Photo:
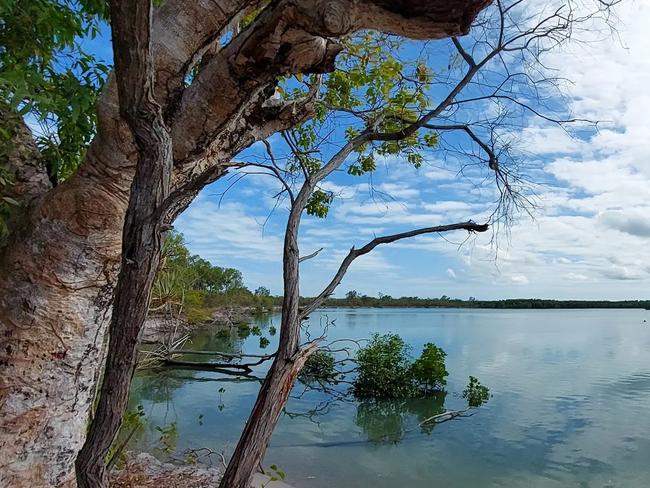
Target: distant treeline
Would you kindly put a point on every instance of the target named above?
(354, 299)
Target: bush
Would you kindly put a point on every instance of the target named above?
(476, 394)
(429, 371)
(384, 369)
(319, 367)
(195, 298)
(198, 315)
(243, 331)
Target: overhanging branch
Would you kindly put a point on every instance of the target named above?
(469, 226)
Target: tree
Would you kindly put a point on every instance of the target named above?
(352, 295)
(262, 291)
(429, 369)
(195, 83)
(384, 369)
(393, 116)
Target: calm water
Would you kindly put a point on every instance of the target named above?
(571, 405)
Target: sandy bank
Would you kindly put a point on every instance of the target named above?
(145, 471)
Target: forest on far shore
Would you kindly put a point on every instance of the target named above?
(354, 299)
(202, 287)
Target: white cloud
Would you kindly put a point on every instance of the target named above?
(219, 233)
(519, 279)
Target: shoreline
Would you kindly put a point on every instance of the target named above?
(143, 470)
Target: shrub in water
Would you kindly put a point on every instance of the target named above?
(429, 371)
(319, 367)
(384, 369)
(476, 394)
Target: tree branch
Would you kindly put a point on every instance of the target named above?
(309, 256)
(469, 226)
(461, 50)
(493, 159)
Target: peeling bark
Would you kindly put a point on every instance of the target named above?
(56, 281)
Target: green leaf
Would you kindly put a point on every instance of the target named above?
(319, 203)
(10, 201)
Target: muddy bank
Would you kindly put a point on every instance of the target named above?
(157, 327)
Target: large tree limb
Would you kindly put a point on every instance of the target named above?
(296, 36)
(23, 162)
(355, 253)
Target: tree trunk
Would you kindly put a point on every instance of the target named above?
(273, 396)
(57, 275)
(141, 246)
(56, 282)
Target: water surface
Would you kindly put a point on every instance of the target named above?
(570, 406)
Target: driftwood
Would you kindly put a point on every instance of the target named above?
(225, 368)
(222, 354)
(448, 415)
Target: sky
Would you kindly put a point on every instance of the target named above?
(587, 238)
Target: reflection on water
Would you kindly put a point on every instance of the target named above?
(570, 407)
(390, 420)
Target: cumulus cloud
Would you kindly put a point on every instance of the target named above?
(634, 222)
(519, 279)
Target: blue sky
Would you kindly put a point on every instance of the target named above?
(589, 238)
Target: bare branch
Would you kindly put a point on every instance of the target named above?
(493, 160)
(309, 256)
(461, 50)
(355, 253)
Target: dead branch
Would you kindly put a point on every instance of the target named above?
(355, 253)
(309, 256)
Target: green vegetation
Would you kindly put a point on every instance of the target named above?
(47, 75)
(190, 285)
(168, 438)
(476, 394)
(319, 367)
(385, 369)
(429, 370)
(132, 423)
(355, 299)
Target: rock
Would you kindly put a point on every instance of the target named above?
(144, 471)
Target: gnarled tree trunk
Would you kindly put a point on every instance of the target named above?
(57, 274)
(134, 72)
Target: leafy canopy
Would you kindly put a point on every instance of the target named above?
(429, 369)
(46, 75)
(372, 89)
(385, 369)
